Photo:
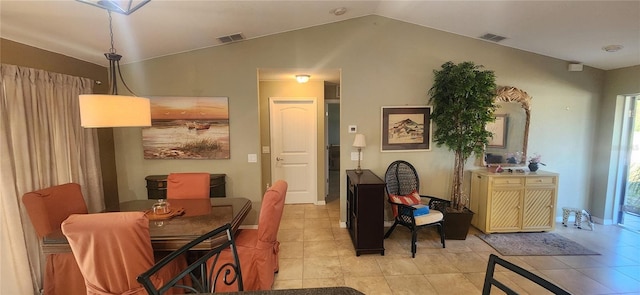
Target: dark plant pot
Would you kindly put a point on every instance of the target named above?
(456, 224)
(533, 167)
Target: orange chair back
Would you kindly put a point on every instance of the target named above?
(112, 249)
(271, 212)
(258, 248)
(188, 185)
(48, 207)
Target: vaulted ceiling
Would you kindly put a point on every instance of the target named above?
(575, 31)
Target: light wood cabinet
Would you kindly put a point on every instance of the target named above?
(513, 202)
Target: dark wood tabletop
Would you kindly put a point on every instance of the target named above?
(200, 217)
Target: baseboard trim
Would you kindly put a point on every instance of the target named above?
(321, 203)
(602, 221)
(596, 220)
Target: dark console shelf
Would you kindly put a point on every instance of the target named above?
(157, 186)
(365, 211)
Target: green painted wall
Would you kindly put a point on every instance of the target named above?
(618, 83)
(383, 62)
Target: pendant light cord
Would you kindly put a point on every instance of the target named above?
(112, 49)
(114, 64)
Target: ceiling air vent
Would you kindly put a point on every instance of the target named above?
(492, 37)
(231, 38)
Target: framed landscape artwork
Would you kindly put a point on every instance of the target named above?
(187, 128)
(406, 128)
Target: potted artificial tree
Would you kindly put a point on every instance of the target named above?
(462, 96)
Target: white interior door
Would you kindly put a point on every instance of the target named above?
(293, 124)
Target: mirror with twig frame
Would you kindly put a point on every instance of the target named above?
(508, 146)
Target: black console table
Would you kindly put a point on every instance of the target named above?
(365, 211)
(157, 186)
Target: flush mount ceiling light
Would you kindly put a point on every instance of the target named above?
(113, 110)
(302, 78)
(612, 48)
(125, 7)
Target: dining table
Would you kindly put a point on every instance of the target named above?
(339, 290)
(195, 217)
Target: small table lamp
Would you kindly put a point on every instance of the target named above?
(359, 143)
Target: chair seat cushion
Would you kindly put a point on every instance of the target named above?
(433, 216)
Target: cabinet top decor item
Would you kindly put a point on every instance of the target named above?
(536, 159)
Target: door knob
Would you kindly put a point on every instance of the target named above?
(279, 159)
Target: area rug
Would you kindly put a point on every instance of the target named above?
(534, 244)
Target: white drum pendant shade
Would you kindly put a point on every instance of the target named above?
(101, 110)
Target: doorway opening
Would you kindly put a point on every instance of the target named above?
(332, 139)
(281, 83)
(628, 199)
(294, 147)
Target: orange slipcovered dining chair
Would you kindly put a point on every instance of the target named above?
(188, 185)
(112, 250)
(203, 276)
(47, 208)
(258, 248)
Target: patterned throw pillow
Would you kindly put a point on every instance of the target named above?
(411, 199)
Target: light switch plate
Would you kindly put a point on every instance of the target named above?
(353, 128)
(354, 156)
(252, 158)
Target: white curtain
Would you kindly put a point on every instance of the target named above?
(41, 145)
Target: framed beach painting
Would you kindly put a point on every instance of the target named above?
(187, 128)
(406, 128)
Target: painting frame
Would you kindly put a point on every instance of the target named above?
(414, 135)
(186, 127)
(498, 129)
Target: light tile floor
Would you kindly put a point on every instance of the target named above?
(315, 252)
(632, 222)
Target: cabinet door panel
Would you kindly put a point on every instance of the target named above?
(539, 208)
(505, 210)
